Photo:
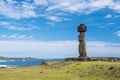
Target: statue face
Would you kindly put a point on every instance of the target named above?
(82, 28)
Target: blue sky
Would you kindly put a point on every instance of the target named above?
(48, 28)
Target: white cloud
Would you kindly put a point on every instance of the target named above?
(82, 6)
(26, 9)
(50, 23)
(20, 28)
(79, 6)
(12, 26)
(16, 37)
(117, 33)
(56, 49)
(116, 16)
(115, 6)
(110, 23)
(108, 16)
(4, 23)
(13, 9)
(41, 2)
(53, 18)
(3, 36)
(112, 16)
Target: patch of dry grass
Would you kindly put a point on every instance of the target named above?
(65, 71)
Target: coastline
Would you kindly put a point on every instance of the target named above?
(24, 63)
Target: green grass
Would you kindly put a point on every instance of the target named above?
(64, 71)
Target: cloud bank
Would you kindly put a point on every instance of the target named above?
(16, 37)
(57, 49)
(17, 26)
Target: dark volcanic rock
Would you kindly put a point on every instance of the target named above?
(107, 59)
(111, 67)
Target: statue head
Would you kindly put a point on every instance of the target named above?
(82, 28)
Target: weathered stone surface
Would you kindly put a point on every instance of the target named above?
(82, 45)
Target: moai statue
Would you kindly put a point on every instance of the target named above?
(82, 46)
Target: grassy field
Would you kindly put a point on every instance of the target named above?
(64, 71)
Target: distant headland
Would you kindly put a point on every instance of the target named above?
(17, 58)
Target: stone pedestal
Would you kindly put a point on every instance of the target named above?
(78, 59)
(106, 59)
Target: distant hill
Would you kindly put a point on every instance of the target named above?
(13, 58)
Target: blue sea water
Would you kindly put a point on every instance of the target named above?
(22, 63)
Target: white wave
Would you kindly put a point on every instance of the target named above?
(23, 60)
(3, 60)
(12, 60)
(7, 66)
(4, 66)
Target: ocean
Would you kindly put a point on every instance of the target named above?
(23, 63)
